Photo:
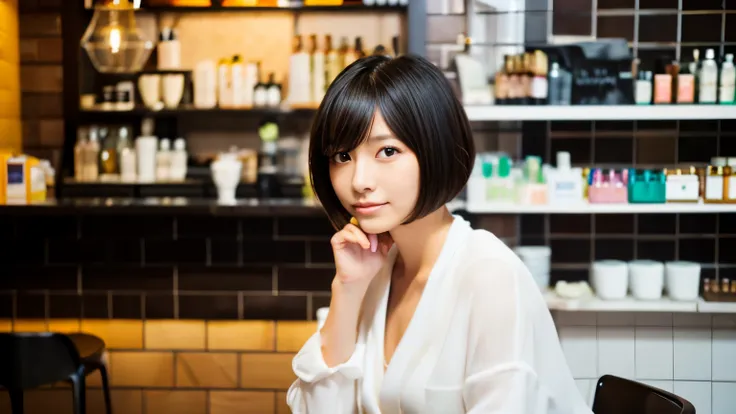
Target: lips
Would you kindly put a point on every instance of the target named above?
(367, 208)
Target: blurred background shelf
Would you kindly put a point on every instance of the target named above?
(599, 112)
(671, 208)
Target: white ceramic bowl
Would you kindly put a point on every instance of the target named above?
(646, 278)
(610, 279)
(682, 280)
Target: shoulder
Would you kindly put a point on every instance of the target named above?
(486, 261)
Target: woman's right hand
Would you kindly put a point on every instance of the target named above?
(358, 256)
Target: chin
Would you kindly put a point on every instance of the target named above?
(377, 225)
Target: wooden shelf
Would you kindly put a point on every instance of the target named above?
(97, 113)
(293, 6)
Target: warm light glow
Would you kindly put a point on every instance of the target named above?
(115, 39)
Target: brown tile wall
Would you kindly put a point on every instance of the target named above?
(10, 129)
(182, 367)
(41, 78)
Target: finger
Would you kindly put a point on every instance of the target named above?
(343, 237)
(373, 242)
(358, 236)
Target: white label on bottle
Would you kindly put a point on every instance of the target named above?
(274, 96)
(727, 94)
(682, 188)
(260, 97)
(643, 92)
(708, 86)
(714, 187)
(732, 188)
(539, 87)
(16, 188)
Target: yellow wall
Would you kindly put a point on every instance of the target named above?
(10, 132)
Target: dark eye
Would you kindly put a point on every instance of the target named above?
(387, 152)
(341, 157)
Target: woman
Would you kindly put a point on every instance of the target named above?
(427, 315)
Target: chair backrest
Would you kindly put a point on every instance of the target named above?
(615, 395)
(30, 360)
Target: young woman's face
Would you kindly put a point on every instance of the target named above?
(377, 182)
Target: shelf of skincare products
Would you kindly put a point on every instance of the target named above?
(190, 109)
(545, 84)
(719, 294)
(497, 186)
(109, 154)
(275, 5)
(598, 112)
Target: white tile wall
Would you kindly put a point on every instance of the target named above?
(654, 353)
(616, 351)
(580, 346)
(692, 355)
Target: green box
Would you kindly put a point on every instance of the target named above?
(647, 187)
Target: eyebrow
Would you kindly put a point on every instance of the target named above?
(381, 137)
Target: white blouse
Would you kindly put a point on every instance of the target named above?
(481, 341)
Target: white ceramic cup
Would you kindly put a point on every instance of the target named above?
(682, 280)
(610, 279)
(173, 90)
(149, 87)
(646, 278)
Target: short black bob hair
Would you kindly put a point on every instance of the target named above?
(418, 105)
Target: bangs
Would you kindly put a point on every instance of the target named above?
(348, 117)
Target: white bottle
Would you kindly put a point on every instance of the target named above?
(145, 154)
(237, 77)
(224, 99)
(728, 82)
(126, 153)
(250, 80)
(169, 50)
(708, 79)
(205, 84)
(369, 2)
(179, 161)
(318, 75)
(565, 184)
(299, 93)
(163, 161)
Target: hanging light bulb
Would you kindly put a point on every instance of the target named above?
(113, 41)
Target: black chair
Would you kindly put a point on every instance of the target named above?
(31, 360)
(614, 395)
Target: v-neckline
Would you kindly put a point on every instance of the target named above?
(417, 317)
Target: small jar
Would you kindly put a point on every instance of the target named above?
(729, 184)
(714, 184)
(682, 186)
(644, 88)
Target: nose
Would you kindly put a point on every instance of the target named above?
(364, 178)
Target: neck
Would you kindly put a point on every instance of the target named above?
(419, 243)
